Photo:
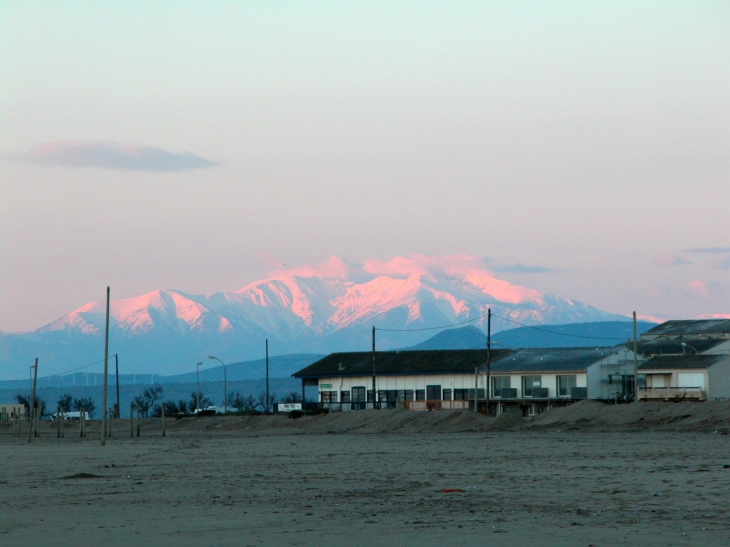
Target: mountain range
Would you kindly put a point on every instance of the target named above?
(313, 311)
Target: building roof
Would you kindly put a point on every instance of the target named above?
(697, 327)
(552, 359)
(669, 346)
(400, 362)
(681, 362)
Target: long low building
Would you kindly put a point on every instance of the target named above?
(528, 380)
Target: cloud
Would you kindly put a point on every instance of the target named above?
(332, 268)
(709, 250)
(724, 264)
(670, 260)
(110, 155)
(701, 289)
(714, 316)
(416, 264)
(521, 268)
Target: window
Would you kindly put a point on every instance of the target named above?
(358, 394)
(461, 394)
(447, 395)
(406, 395)
(433, 393)
(529, 383)
(345, 396)
(480, 394)
(565, 385)
(499, 383)
(328, 396)
(420, 395)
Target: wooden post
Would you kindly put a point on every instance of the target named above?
(131, 419)
(106, 372)
(162, 417)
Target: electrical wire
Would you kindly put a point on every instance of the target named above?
(434, 328)
(560, 333)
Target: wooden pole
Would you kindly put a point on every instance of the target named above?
(106, 372)
(375, 393)
(636, 364)
(476, 388)
(489, 355)
(267, 377)
(32, 399)
(118, 410)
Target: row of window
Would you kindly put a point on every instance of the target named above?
(531, 387)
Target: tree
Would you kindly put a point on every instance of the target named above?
(153, 394)
(87, 403)
(292, 397)
(266, 404)
(65, 402)
(204, 401)
(142, 405)
(182, 406)
(25, 400)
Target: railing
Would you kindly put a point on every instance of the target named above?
(692, 393)
(436, 405)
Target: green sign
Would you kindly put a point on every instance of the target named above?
(325, 385)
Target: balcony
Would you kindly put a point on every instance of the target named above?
(672, 393)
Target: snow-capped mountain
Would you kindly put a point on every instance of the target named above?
(331, 307)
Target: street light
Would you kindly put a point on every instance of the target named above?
(197, 385)
(684, 344)
(225, 383)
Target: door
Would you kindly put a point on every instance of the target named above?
(433, 393)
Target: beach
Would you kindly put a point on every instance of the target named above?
(275, 481)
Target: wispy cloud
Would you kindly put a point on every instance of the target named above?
(670, 260)
(702, 289)
(708, 250)
(521, 268)
(110, 155)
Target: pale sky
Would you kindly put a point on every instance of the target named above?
(196, 145)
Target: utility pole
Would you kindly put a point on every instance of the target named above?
(118, 409)
(267, 377)
(105, 424)
(636, 364)
(375, 396)
(197, 385)
(489, 353)
(32, 399)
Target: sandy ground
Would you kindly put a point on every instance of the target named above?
(341, 480)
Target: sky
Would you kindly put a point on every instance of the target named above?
(580, 148)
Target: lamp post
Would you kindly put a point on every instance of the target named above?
(686, 345)
(225, 383)
(197, 385)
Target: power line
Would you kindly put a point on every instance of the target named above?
(434, 328)
(562, 333)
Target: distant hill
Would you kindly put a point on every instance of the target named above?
(599, 333)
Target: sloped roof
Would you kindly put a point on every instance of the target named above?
(674, 345)
(552, 359)
(400, 362)
(680, 362)
(690, 328)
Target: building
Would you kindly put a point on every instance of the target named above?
(420, 379)
(528, 380)
(685, 377)
(686, 360)
(533, 380)
(11, 410)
